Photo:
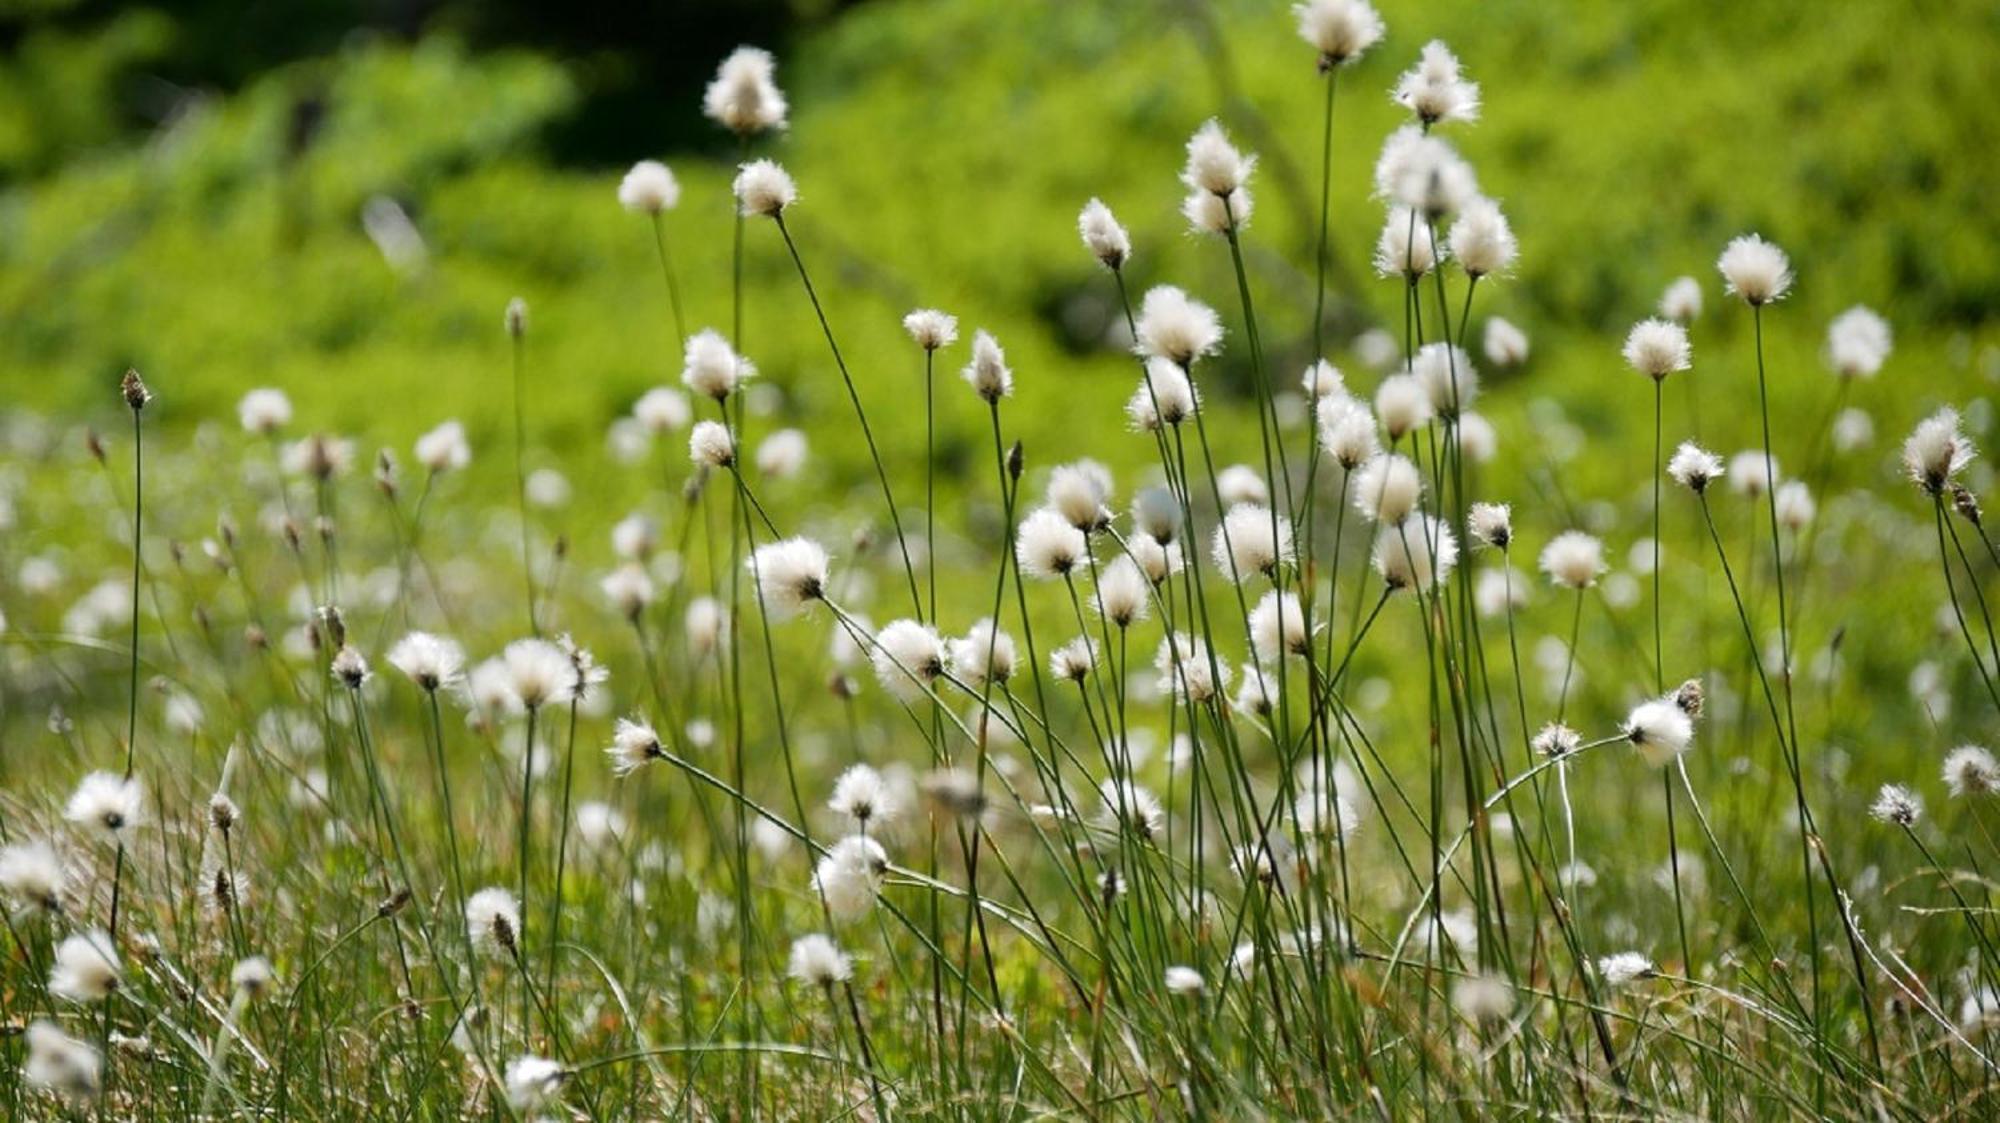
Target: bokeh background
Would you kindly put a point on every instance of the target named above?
(340, 198)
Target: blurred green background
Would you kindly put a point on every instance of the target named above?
(185, 187)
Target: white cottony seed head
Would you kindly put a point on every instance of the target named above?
(817, 961)
(649, 188)
(1755, 270)
(1103, 236)
(744, 97)
(763, 187)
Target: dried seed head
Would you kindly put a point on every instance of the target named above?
(134, 389)
(1689, 698)
(1965, 503)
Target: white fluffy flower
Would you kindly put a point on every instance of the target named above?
(1970, 770)
(849, 875)
(1176, 327)
(1795, 506)
(987, 371)
(1183, 980)
(1752, 473)
(533, 1083)
(31, 876)
(710, 445)
(60, 1063)
(1213, 164)
(1897, 805)
(1405, 247)
(1188, 670)
(663, 408)
(1755, 270)
(1102, 236)
(493, 921)
(105, 804)
(264, 411)
(764, 187)
(1936, 451)
(1073, 661)
(86, 968)
(1504, 344)
(1435, 91)
(1247, 542)
(1482, 240)
(431, 661)
(983, 654)
(1278, 627)
(1340, 30)
(1682, 300)
(629, 588)
(1129, 803)
(908, 657)
(1857, 343)
(860, 794)
(817, 961)
(634, 745)
(1624, 968)
(635, 536)
(1239, 484)
(931, 328)
(1165, 395)
(1415, 553)
(1346, 430)
(790, 574)
(1659, 729)
(1573, 559)
(712, 367)
(1078, 492)
(1048, 546)
(1423, 173)
(538, 673)
(252, 975)
(1447, 376)
(1122, 591)
(1499, 589)
(1403, 404)
(706, 623)
(1218, 214)
(1388, 488)
(782, 454)
(1694, 467)
(649, 188)
(744, 97)
(1491, 524)
(1322, 380)
(1657, 348)
(444, 449)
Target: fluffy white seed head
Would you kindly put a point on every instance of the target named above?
(1102, 236)
(1447, 376)
(533, 1083)
(712, 367)
(1079, 493)
(983, 655)
(931, 329)
(1625, 968)
(253, 976)
(817, 961)
(1498, 589)
(1246, 543)
(538, 673)
(264, 411)
(1435, 90)
(1158, 562)
(61, 1064)
(1346, 430)
(1857, 343)
(710, 445)
(1556, 740)
(1970, 770)
(1157, 514)
(1240, 483)
(1165, 396)
(782, 454)
(790, 574)
(744, 96)
(763, 187)
(1176, 327)
(1425, 174)
(106, 805)
(649, 188)
(1681, 302)
(1404, 248)
(1936, 451)
(1388, 488)
(86, 968)
(987, 372)
(1694, 467)
(1184, 981)
(634, 745)
(909, 656)
(349, 668)
(1132, 805)
(1218, 214)
(849, 875)
(1490, 524)
(1755, 270)
(32, 877)
(1573, 559)
(1482, 240)
(444, 449)
(629, 588)
(1187, 669)
(493, 920)
(1795, 506)
(1340, 30)
(1752, 473)
(862, 795)
(1415, 554)
(1657, 348)
(1322, 380)
(663, 409)
(1047, 546)
(1278, 627)
(1505, 345)
(1403, 404)
(1660, 729)
(1213, 164)
(1073, 661)
(1122, 592)
(432, 662)
(1897, 805)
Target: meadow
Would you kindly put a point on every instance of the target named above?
(1237, 561)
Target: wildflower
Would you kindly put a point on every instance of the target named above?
(649, 188)
(86, 968)
(1755, 270)
(1102, 236)
(628, 587)
(710, 444)
(1388, 488)
(1556, 740)
(1447, 376)
(817, 961)
(1218, 214)
(319, 456)
(1483, 998)
(1074, 660)
(1213, 164)
(1047, 546)
(1164, 395)
(106, 804)
(1078, 492)
(1128, 803)
(1694, 467)
(1257, 693)
(252, 975)
(706, 623)
(547, 488)
(1491, 524)
(1184, 981)
(1660, 729)
(1897, 805)
(1240, 484)
(908, 657)
(1681, 302)
(1247, 542)
(765, 188)
(1157, 514)
(633, 746)
(983, 655)
(31, 875)
(1321, 380)
(1415, 554)
(1573, 559)
(849, 875)
(1340, 30)
(586, 674)
(539, 673)
(1504, 344)
(955, 791)
(931, 328)
(743, 97)
(1969, 770)
(661, 409)
(1657, 348)
(264, 411)
(1624, 968)
(1482, 240)
(1175, 327)
(1346, 430)
(790, 574)
(1434, 90)
(1751, 472)
(1187, 670)
(1795, 505)
(134, 389)
(712, 367)
(987, 372)
(1405, 247)
(1689, 697)
(533, 1083)
(1403, 404)
(1936, 451)
(860, 794)
(432, 662)
(515, 318)
(493, 921)
(1857, 343)
(1278, 627)
(60, 1063)
(444, 449)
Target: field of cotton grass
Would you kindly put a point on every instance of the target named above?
(1316, 768)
